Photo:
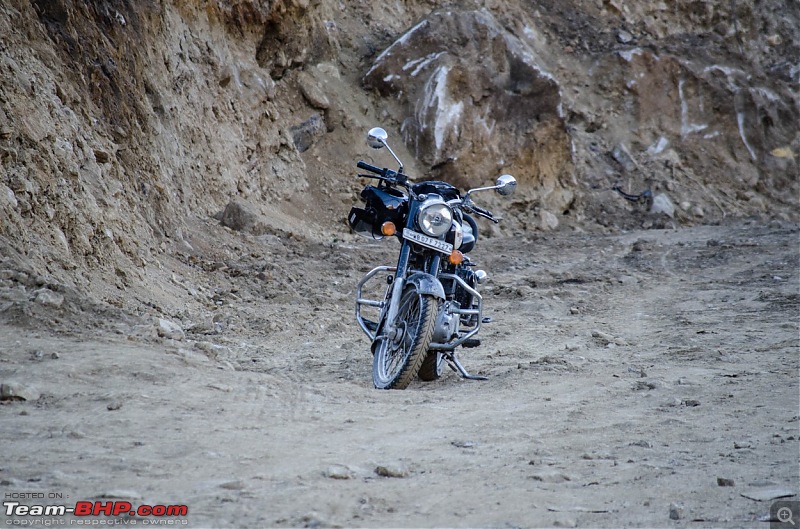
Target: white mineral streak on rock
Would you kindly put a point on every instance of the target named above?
(447, 113)
(727, 70)
(766, 94)
(399, 42)
(730, 74)
(687, 127)
(628, 55)
(421, 63)
(740, 123)
(795, 71)
(658, 147)
(488, 127)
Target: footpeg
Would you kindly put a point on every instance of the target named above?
(472, 342)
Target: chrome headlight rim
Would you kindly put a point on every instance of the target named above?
(434, 217)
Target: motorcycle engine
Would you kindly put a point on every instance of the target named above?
(446, 323)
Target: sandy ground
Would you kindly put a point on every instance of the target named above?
(641, 379)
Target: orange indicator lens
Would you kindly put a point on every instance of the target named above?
(388, 228)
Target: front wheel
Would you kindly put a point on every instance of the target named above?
(399, 356)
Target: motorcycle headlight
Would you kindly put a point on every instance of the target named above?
(434, 218)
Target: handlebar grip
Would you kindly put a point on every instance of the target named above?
(370, 168)
(482, 211)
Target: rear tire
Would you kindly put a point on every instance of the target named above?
(432, 366)
(398, 359)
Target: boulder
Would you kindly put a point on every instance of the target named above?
(239, 216)
(479, 101)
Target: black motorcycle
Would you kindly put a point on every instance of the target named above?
(431, 304)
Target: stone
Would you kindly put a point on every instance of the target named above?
(211, 350)
(662, 204)
(308, 132)
(675, 511)
(782, 152)
(101, 156)
(239, 217)
(260, 83)
(725, 482)
(8, 196)
(48, 298)
(607, 339)
(192, 358)
(552, 476)
(774, 40)
(338, 472)
(170, 330)
(624, 37)
(233, 485)
(622, 156)
(547, 221)
(17, 391)
(312, 91)
(392, 471)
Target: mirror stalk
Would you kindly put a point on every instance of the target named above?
(400, 170)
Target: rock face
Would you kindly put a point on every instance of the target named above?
(478, 100)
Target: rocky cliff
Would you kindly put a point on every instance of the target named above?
(121, 123)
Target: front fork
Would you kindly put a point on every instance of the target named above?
(397, 288)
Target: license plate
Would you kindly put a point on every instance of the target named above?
(430, 242)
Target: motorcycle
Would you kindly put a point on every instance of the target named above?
(431, 304)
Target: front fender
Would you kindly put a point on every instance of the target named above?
(427, 284)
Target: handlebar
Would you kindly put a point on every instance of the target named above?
(371, 168)
(393, 177)
(396, 178)
(470, 205)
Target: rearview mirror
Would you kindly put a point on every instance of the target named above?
(376, 138)
(506, 185)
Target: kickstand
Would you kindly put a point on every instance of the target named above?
(455, 365)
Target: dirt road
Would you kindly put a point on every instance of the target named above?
(641, 379)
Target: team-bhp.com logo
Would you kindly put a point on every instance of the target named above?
(85, 510)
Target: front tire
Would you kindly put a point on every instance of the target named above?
(398, 358)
